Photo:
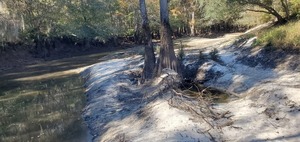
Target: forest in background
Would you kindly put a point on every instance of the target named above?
(33, 88)
(46, 24)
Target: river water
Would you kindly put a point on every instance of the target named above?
(43, 102)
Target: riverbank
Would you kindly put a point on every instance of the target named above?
(265, 105)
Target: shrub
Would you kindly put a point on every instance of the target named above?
(214, 54)
(275, 37)
(285, 36)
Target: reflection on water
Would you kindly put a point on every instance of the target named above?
(45, 108)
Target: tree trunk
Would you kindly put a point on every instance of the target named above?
(149, 64)
(187, 24)
(167, 58)
(192, 24)
(280, 19)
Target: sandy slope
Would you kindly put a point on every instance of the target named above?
(269, 107)
(120, 110)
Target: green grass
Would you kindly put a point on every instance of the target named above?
(285, 36)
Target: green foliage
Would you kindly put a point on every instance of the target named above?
(181, 11)
(295, 7)
(153, 12)
(282, 36)
(104, 19)
(83, 19)
(217, 11)
(279, 9)
(275, 36)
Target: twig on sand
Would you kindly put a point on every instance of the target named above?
(189, 108)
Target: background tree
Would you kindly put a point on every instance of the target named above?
(219, 15)
(186, 14)
(272, 7)
(37, 22)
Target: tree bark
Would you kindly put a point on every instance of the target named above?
(167, 58)
(192, 24)
(149, 63)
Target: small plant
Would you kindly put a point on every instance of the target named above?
(201, 55)
(214, 54)
(181, 53)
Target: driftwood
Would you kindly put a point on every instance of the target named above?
(201, 110)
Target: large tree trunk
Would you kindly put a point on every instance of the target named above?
(149, 64)
(167, 58)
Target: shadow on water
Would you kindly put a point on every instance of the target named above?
(43, 102)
